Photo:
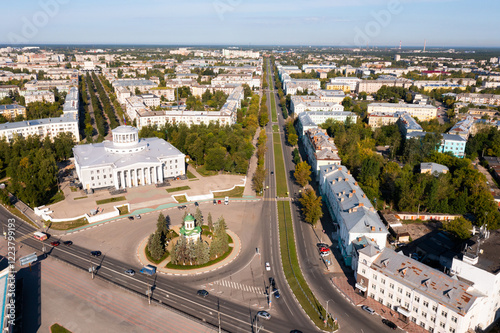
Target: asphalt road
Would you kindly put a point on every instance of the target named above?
(350, 318)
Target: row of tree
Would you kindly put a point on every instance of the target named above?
(100, 122)
(105, 103)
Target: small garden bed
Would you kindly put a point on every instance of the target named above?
(187, 267)
(177, 189)
(148, 255)
(115, 199)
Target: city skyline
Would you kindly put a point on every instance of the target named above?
(442, 23)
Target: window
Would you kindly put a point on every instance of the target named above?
(454, 319)
(444, 314)
(381, 300)
(400, 290)
(91, 178)
(422, 324)
(415, 309)
(426, 304)
(363, 271)
(431, 329)
(452, 330)
(424, 314)
(442, 324)
(417, 299)
(391, 285)
(407, 305)
(104, 176)
(381, 291)
(98, 171)
(434, 308)
(408, 294)
(413, 319)
(390, 296)
(433, 319)
(374, 277)
(374, 287)
(372, 296)
(382, 280)
(398, 300)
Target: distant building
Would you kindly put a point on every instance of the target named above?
(132, 84)
(127, 161)
(320, 149)
(346, 84)
(463, 127)
(454, 144)
(433, 168)
(226, 53)
(422, 112)
(299, 104)
(311, 119)
(42, 96)
(372, 86)
(11, 111)
(407, 124)
(486, 99)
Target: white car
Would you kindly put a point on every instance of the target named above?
(268, 267)
(324, 254)
(226, 201)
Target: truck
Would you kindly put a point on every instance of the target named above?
(40, 235)
(148, 270)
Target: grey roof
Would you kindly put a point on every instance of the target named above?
(434, 167)
(6, 107)
(356, 209)
(127, 83)
(452, 293)
(409, 123)
(95, 154)
(71, 103)
(63, 119)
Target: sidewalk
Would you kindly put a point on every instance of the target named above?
(161, 267)
(252, 166)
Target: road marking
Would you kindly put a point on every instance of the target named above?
(239, 286)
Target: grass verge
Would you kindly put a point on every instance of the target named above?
(180, 198)
(123, 210)
(204, 172)
(67, 225)
(79, 198)
(177, 189)
(56, 328)
(293, 274)
(190, 175)
(188, 267)
(279, 164)
(59, 196)
(105, 201)
(148, 255)
(16, 212)
(235, 192)
(276, 128)
(274, 115)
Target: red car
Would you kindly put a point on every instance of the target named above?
(219, 202)
(324, 249)
(55, 243)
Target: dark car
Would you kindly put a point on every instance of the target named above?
(202, 293)
(264, 314)
(196, 203)
(276, 293)
(182, 207)
(68, 243)
(130, 272)
(272, 172)
(215, 202)
(95, 253)
(272, 282)
(295, 331)
(55, 243)
(390, 324)
(322, 245)
(130, 218)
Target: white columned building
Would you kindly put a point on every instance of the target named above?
(127, 161)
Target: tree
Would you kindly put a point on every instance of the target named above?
(202, 252)
(293, 139)
(137, 91)
(209, 222)
(302, 173)
(198, 217)
(296, 156)
(311, 206)
(161, 225)
(459, 227)
(155, 246)
(347, 103)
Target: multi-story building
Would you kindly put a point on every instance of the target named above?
(60, 85)
(167, 93)
(299, 104)
(11, 111)
(422, 112)
(72, 102)
(127, 161)
(351, 210)
(7, 90)
(221, 79)
(132, 84)
(319, 149)
(346, 84)
(311, 119)
(122, 94)
(372, 86)
(417, 292)
(239, 54)
(454, 144)
(463, 127)
(408, 125)
(31, 96)
(332, 96)
(47, 127)
(292, 86)
(488, 99)
(379, 119)
(150, 100)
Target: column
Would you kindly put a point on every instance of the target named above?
(135, 177)
(148, 175)
(153, 170)
(115, 180)
(129, 178)
(122, 178)
(160, 173)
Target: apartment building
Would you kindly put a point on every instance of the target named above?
(332, 96)
(372, 86)
(47, 127)
(6, 90)
(11, 111)
(132, 84)
(292, 86)
(300, 103)
(454, 144)
(226, 53)
(422, 112)
(150, 100)
(488, 99)
(346, 84)
(167, 93)
(351, 210)
(320, 149)
(417, 292)
(60, 85)
(31, 96)
(122, 94)
(311, 119)
(407, 124)
(463, 127)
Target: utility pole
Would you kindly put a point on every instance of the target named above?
(218, 313)
(326, 314)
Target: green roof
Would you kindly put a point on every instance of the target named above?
(195, 231)
(189, 217)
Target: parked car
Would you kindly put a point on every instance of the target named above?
(324, 249)
(368, 309)
(272, 282)
(55, 243)
(202, 293)
(268, 267)
(68, 243)
(182, 207)
(219, 202)
(264, 314)
(390, 323)
(130, 272)
(215, 202)
(131, 218)
(295, 331)
(320, 245)
(138, 216)
(196, 203)
(324, 254)
(95, 253)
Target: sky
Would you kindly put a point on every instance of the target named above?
(442, 23)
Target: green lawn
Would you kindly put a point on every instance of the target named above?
(274, 115)
(190, 175)
(148, 255)
(276, 128)
(78, 198)
(236, 192)
(67, 225)
(279, 164)
(180, 198)
(123, 210)
(56, 328)
(291, 267)
(204, 172)
(177, 189)
(59, 196)
(115, 199)
(187, 267)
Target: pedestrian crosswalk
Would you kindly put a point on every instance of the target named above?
(239, 286)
